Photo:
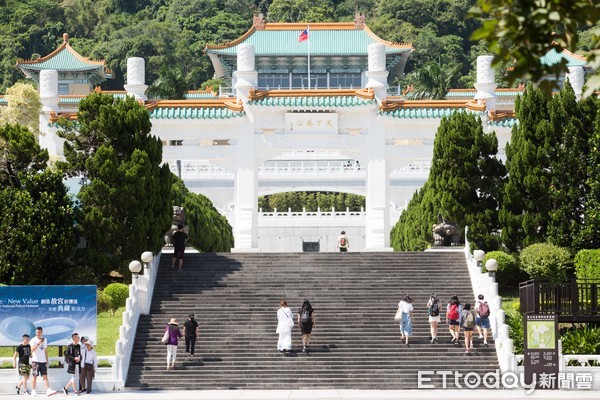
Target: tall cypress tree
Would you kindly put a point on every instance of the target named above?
(588, 236)
(464, 187)
(526, 204)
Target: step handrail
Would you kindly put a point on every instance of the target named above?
(138, 303)
(484, 284)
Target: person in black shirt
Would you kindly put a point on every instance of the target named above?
(73, 360)
(179, 241)
(23, 352)
(190, 331)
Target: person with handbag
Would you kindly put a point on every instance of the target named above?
(173, 332)
(405, 309)
(285, 323)
(89, 367)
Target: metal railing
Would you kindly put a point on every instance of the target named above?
(571, 301)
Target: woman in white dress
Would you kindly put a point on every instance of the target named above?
(285, 323)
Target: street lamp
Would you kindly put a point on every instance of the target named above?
(135, 267)
(147, 257)
(479, 255)
(492, 266)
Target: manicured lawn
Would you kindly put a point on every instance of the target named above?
(108, 333)
(510, 300)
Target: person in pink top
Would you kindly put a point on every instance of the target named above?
(174, 334)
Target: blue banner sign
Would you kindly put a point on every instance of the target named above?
(59, 310)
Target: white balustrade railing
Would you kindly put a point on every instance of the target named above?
(484, 284)
(421, 167)
(138, 303)
(310, 167)
(297, 218)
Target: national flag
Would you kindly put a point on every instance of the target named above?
(303, 35)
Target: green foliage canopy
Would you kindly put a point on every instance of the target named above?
(546, 261)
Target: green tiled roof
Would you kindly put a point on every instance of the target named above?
(317, 101)
(63, 61)
(322, 42)
(3, 100)
(199, 96)
(505, 123)
(553, 57)
(415, 113)
(194, 113)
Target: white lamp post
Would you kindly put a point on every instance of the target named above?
(135, 267)
(147, 258)
(492, 266)
(479, 255)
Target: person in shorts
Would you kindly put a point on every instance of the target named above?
(433, 310)
(39, 361)
(453, 310)
(23, 353)
(180, 239)
(343, 244)
(482, 309)
(467, 321)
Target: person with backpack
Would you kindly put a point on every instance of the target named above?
(467, 321)
(190, 333)
(482, 321)
(406, 308)
(306, 321)
(453, 310)
(433, 309)
(342, 243)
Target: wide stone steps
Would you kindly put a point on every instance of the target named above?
(356, 343)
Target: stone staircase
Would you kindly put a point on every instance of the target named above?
(355, 345)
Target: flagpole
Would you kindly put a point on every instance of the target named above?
(308, 29)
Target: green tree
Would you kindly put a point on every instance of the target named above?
(24, 107)
(523, 32)
(464, 187)
(36, 213)
(526, 205)
(119, 161)
(434, 80)
(209, 231)
(588, 236)
(300, 11)
(547, 262)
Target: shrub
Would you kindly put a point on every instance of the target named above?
(118, 293)
(587, 264)
(102, 301)
(514, 320)
(508, 273)
(546, 261)
(581, 341)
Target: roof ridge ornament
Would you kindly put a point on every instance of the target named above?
(359, 21)
(258, 22)
(66, 37)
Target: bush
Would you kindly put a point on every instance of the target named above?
(118, 293)
(587, 264)
(102, 301)
(581, 341)
(508, 273)
(514, 320)
(546, 261)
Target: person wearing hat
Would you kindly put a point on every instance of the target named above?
(89, 366)
(190, 332)
(174, 334)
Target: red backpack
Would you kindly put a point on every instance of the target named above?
(484, 310)
(343, 242)
(453, 312)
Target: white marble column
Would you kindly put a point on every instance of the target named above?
(245, 227)
(48, 138)
(377, 224)
(136, 78)
(245, 230)
(246, 76)
(576, 77)
(377, 72)
(486, 82)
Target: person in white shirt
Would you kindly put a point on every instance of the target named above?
(39, 361)
(406, 308)
(433, 309)
(343, 244)
(285, 323)
(89, 366)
